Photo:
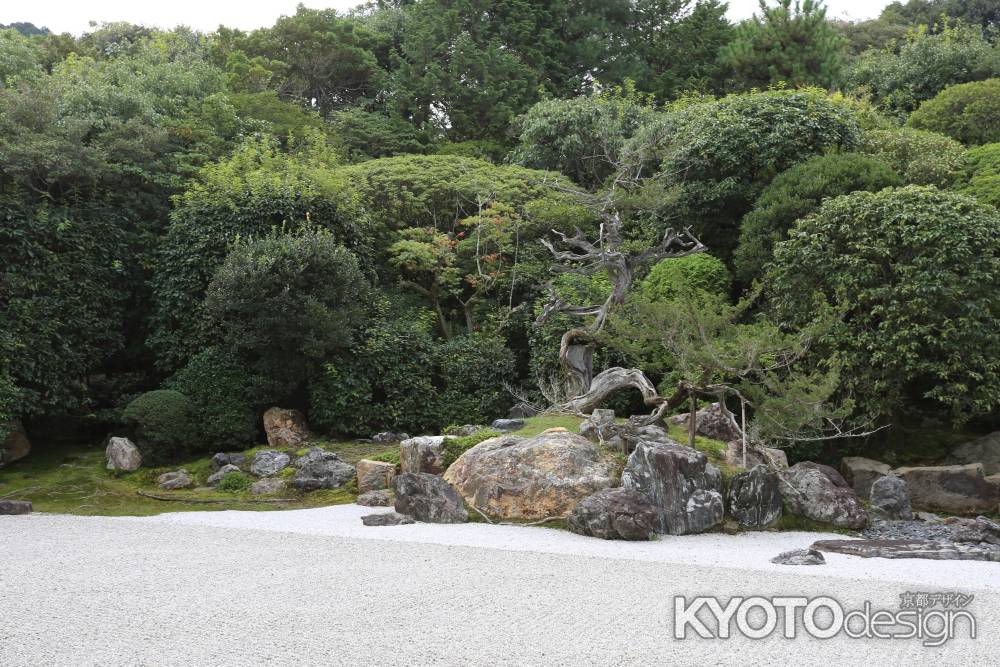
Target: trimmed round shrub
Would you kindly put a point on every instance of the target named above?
(162, 423)
(915, 273)
(968, 112)
(698, 276)
(474, 370)
(798, 192)
(984, 174)
(235, 482)
(918, 156)
(220, 385)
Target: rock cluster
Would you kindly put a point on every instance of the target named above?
(220, 474)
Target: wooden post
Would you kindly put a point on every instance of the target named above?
(692, 420)
(743, 423)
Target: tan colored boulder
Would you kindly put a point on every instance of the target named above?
(122, 454)
(16, 445)
(861, 473)
(285, 429)
(424, 453)
(960, 489)
(374, 475)
(527, 478)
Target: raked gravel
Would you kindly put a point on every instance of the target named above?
(316, 587)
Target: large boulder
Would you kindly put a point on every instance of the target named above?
(754, 498)
(680, 482)
(710, 422)
(861, 473)
(890, 500)
(16, 444)
(960, 489)
(516, 477)
(285, 429)
(985, 450)
(267, 463)
(374, 475)
(14, 507)
(178, 479)
(428, 498)
(423, 454)
(818, 492)
(122, 454)
(615, 514)
(320, 469)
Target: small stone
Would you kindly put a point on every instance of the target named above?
(216, 477)
(267, 486)
(380, 498)
(122, 454)
(799, 557)
(13, 507)
(506, 425)
(387, 519)
(267, 463)
(179, 479)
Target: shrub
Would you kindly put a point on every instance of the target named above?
(286, 303)
(700, 275)
(220, 385)
(235, 482)
(916, 273)
(474, 369)
(968, 112)
(455, 447)
(162, 422)
(798, 192)
(918, 156)
(984, 174)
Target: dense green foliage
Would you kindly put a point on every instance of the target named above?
(968, 112)
(797, 192)
(455, 447)
(343, 212)
(162, 422)
(916, 272)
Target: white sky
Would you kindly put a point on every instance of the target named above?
(73, 15)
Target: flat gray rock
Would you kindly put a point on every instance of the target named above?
(387, 519)
(267, 463)
(910, 549)
(799, 557)
(12, 507)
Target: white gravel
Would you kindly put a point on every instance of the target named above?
(315, 587)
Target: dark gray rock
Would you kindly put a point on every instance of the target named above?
(267, 463)
(386, 437)
(464, 430)
(386, 519)
(380, 498)
(818, 492)
(615, 514)
(960, 489)
(221, 459)
(754, 498)
(861, 473)
(681, 484)
(12, 507)
(268, 486)
(507, 425)
(423, 454)
(320, 469)
(910, 549)
(890, 499)
(985, 450)
(428, 498)
(216, 477)
(179, 479)
(799, 557)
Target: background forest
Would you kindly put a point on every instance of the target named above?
(343, 213)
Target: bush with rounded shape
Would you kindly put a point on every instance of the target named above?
(162, 422)
(916, 273)
(475, 369)
(701, 276)
(968, 112)
(235, 482)
(220, 385)
(721, 154)
(285, 303)
(798, 192)
(918, 156)
(984, 174)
